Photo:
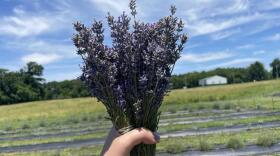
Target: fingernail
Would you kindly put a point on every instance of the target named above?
(156, 136)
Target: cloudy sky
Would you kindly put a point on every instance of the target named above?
(232, 33)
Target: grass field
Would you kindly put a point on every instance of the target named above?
(70, 120)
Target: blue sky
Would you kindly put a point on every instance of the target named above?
(232, 33)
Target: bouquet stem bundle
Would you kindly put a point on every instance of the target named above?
(131, 76)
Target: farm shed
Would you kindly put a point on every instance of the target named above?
(213, 80)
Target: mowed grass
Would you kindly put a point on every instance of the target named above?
(53, 113)
(224, 92)
(235, 96)
(50, 113)
(45, 117)
(171, 145)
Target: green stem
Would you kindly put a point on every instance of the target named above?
(143, 150)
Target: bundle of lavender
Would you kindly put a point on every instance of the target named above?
(131, 77)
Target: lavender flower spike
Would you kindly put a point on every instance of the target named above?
(132, 76)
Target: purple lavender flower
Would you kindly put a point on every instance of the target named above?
(131, 77)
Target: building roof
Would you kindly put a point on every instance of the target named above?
(215, 76)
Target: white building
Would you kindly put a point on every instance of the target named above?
(213, 80)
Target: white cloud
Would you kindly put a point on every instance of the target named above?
(67, 50)
(225, 34)
(21, 27)
(231, 7)
(18, 10)
(191, 46)
(26, 23)
(21, 24)
(275, 37)
(202, 27)
(268, 5)
(210, 8)
(246, 46)
(265, 25)
(259, 52)
(41, 58)
(236, 62)
(206, 57)
(111, 5)
(204, 17)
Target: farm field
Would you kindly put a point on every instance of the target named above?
(237, 119)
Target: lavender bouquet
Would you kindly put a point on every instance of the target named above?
(131, 77)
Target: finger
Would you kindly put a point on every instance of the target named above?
(150, 137)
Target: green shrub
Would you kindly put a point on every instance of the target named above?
(175, 148)
(223, 97)
(85, 118)
(227, 106)
(172, 110)
(216, 106)
(266, 140)
(204, 145)
(100, 116)
(258, 107)
(193, 100)
(200, 107)
(238, 109)
(92, 119)
(9, 128)
(211, 98)
(185, 108)
(25, 126)
(235, 143)
(73, 120)
(191, 110)
(42, 124)
(57, 153)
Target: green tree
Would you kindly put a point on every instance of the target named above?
(65, 89)
(256, 71)
(14, 90)
(33, 69)
(275, 65)
(22, 86)
(31, 74)
(28, 85)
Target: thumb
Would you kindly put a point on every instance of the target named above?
(149, 137)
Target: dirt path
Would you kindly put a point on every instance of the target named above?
(190, 120)
(218, 114)
(247, 150)
(61, 134)
(53, 145)
(66, 128)
(233, 128)
(106, 125)
(79, 143)
(169, 114)
(213, 130)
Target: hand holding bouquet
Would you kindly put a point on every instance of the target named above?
(131, 76)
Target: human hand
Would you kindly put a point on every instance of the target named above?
(121, 145)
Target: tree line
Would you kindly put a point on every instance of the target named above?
(255, 72)
(27, 84)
